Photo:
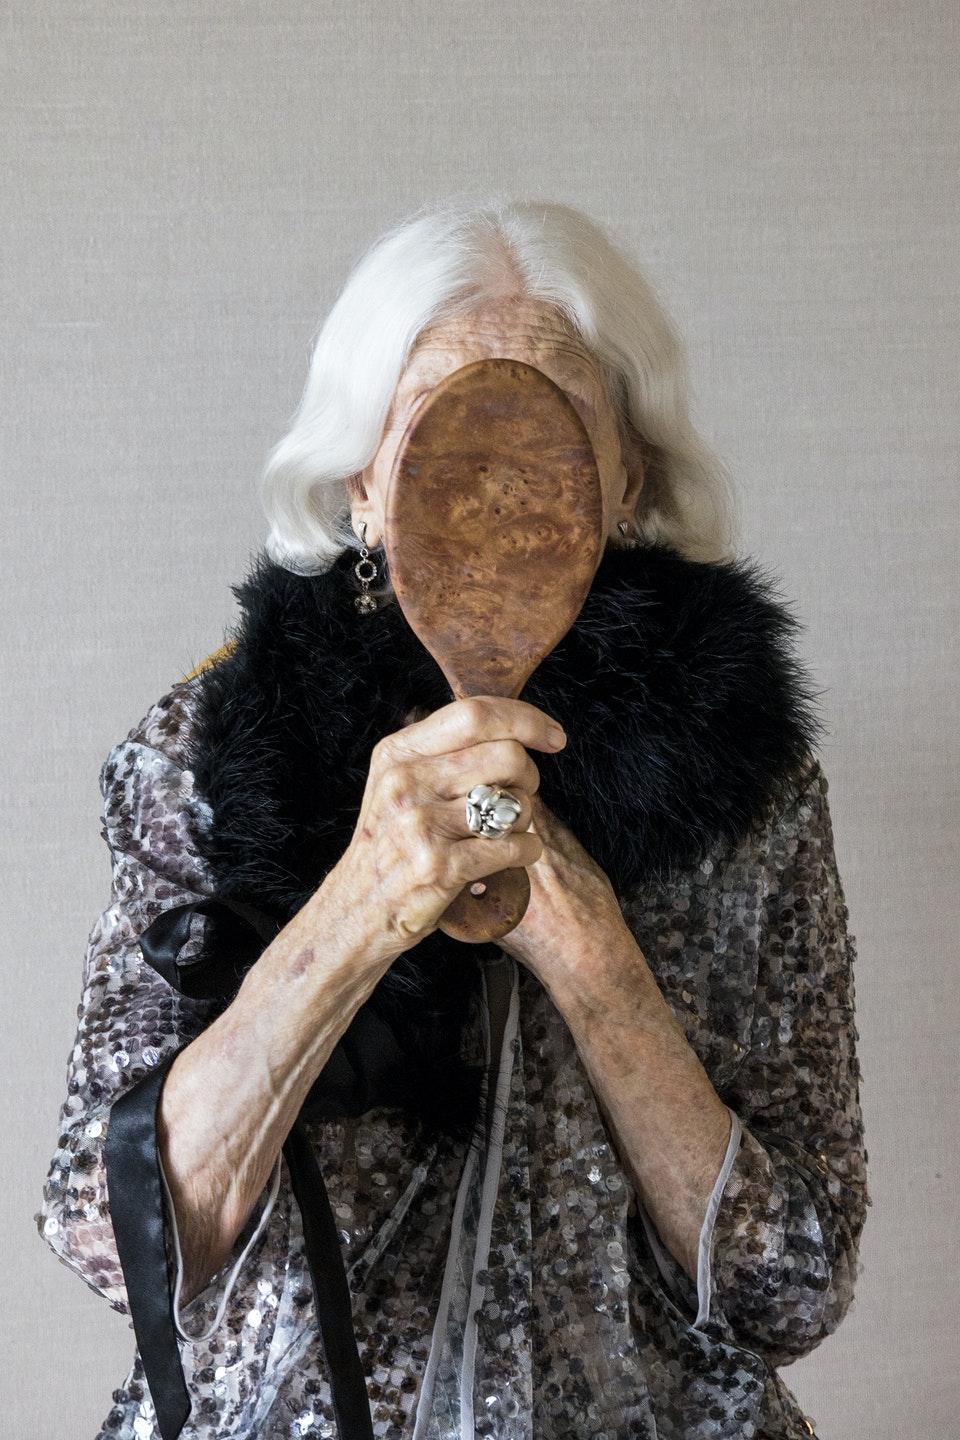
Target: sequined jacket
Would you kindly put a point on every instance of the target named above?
(511, 1288)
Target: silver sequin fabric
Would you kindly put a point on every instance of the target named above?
(518, 1275)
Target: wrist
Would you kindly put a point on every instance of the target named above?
(346, 922)
(322, 966)
(606, 975)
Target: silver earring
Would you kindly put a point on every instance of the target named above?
(631, 542)
(366, 571)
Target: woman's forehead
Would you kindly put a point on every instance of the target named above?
(515, 329)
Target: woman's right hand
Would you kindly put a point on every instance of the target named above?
(412, 851)
(231, 1096)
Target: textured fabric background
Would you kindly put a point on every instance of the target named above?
(184, 187)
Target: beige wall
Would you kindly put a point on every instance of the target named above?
(185, 184)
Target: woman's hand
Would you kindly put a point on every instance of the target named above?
(232, 1095)
(666, 1120)
(573, 935)
(412, 850)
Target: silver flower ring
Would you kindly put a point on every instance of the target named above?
(492, 812)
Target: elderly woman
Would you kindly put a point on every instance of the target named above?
(600, 1180)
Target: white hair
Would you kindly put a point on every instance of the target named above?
(442, 262)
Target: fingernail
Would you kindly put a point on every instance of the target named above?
(556, 736)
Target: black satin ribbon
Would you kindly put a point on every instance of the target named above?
(354, 1080)
(243, 932)
(331, 1293)
(135, 1191)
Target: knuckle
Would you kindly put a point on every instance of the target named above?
(515, 765)
(474, 712)
(422, 858)
(393, 788)
(400, 784)
(528, 770)
(382, 756)
(381, 749)
(510, 756)
(446, 871)
(410, 828)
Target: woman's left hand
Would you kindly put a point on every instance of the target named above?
(666, 1120)
(573, 935)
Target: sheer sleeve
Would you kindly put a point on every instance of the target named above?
(783, 1249)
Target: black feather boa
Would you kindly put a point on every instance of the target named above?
(684, 708)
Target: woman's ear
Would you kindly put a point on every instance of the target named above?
(635, 453)
(362, 511)
(630, 479)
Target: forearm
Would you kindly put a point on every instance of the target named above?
(232, 1095)
(669, 1124)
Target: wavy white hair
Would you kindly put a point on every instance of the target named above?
(439, 263)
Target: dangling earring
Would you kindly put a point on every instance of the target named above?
(366, 571)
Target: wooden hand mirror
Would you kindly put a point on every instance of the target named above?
(494, 531)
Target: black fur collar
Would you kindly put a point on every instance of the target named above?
(684, 707)
(685, 710)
